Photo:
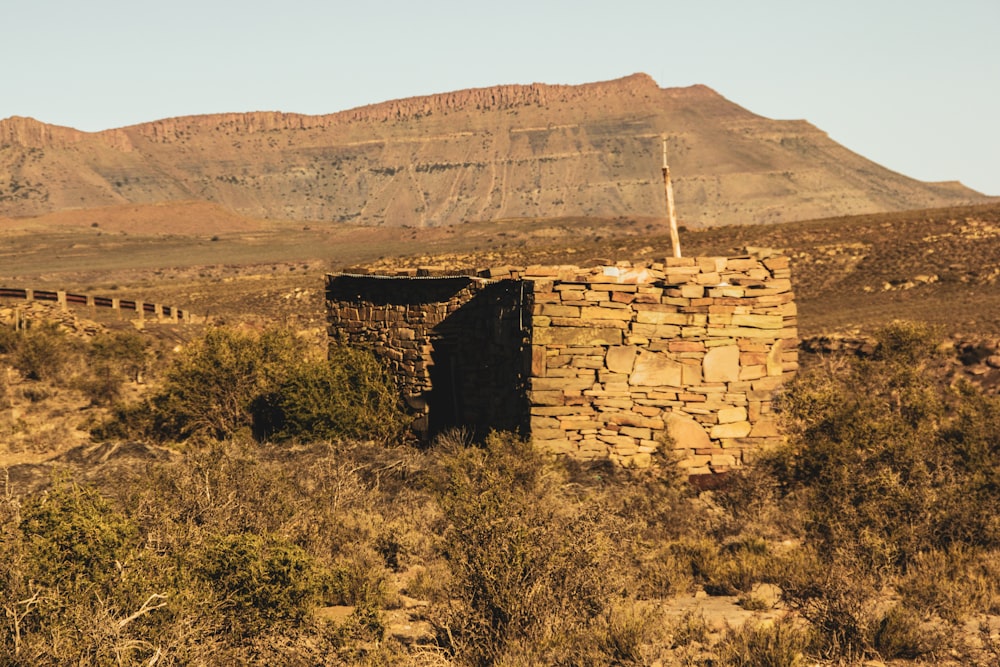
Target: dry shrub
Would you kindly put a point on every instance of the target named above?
(46, 352)
(901, 633)
(531, 570)
(112, 360)
(953, 583)
(893, 478)
(780, 644)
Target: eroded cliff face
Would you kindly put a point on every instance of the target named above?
(500, 152)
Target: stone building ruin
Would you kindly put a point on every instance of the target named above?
(610, 362)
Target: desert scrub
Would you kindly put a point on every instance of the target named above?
(269, 384)
(260, 580)
(112, 360)
(211, 387)
(886, 471)
(45, 351)
(889, 463)
(531, 569)
(779, 644)
(74, 536)
(349, 395)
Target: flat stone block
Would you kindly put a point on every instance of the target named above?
(554, 446)
(733, 430)
(731, 415)
(621, 359)
(578, 336)
(758, 321)
(599, 313)
(579, 425)
(685, 432)
(587, 362)
(765, 428)
(654, 369)
(752, 372)
(770, 383)
(722, 364)
(637, 432)
(555, 411)
(559, 310)
(567, 384)
(547, 397)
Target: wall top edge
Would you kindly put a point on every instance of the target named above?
(671, 271)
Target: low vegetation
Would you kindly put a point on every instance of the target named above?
(291, 524)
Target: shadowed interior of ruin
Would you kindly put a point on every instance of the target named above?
(465, 354)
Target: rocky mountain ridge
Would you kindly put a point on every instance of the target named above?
(514, 151)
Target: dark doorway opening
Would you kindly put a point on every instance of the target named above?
(444, 404)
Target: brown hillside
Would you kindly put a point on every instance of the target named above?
(483, 154)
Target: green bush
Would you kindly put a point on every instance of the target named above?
(269, 384)
(211, 388)
(349, 395)
(75, 537)
(892, 477)
(260, 580)
(45, 352)
(112, 359)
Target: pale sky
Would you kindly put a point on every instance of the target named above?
(911, 84)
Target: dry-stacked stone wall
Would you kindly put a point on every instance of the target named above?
(694, 349)
(612, 362)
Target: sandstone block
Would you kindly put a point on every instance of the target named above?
(587, 362)
(656, 330)
(765, 428)
(604, 403)
(685, 432)
(722, 364)
(695, 465)
(555, 446)
(637, 432)
(775, 358)
(600, 313)
(768, 384)
(579, 425)
(656, 370)
(577, 336)
(732, 415)
(547, 397)
(695, 291)
(778, 262)
(732, 430)
(558, 310)
(538, 361)
(555, 410)
(621, 359)
(722, 461)
(623, 297)
(691, 373)
(561, 384)
(758, 321)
